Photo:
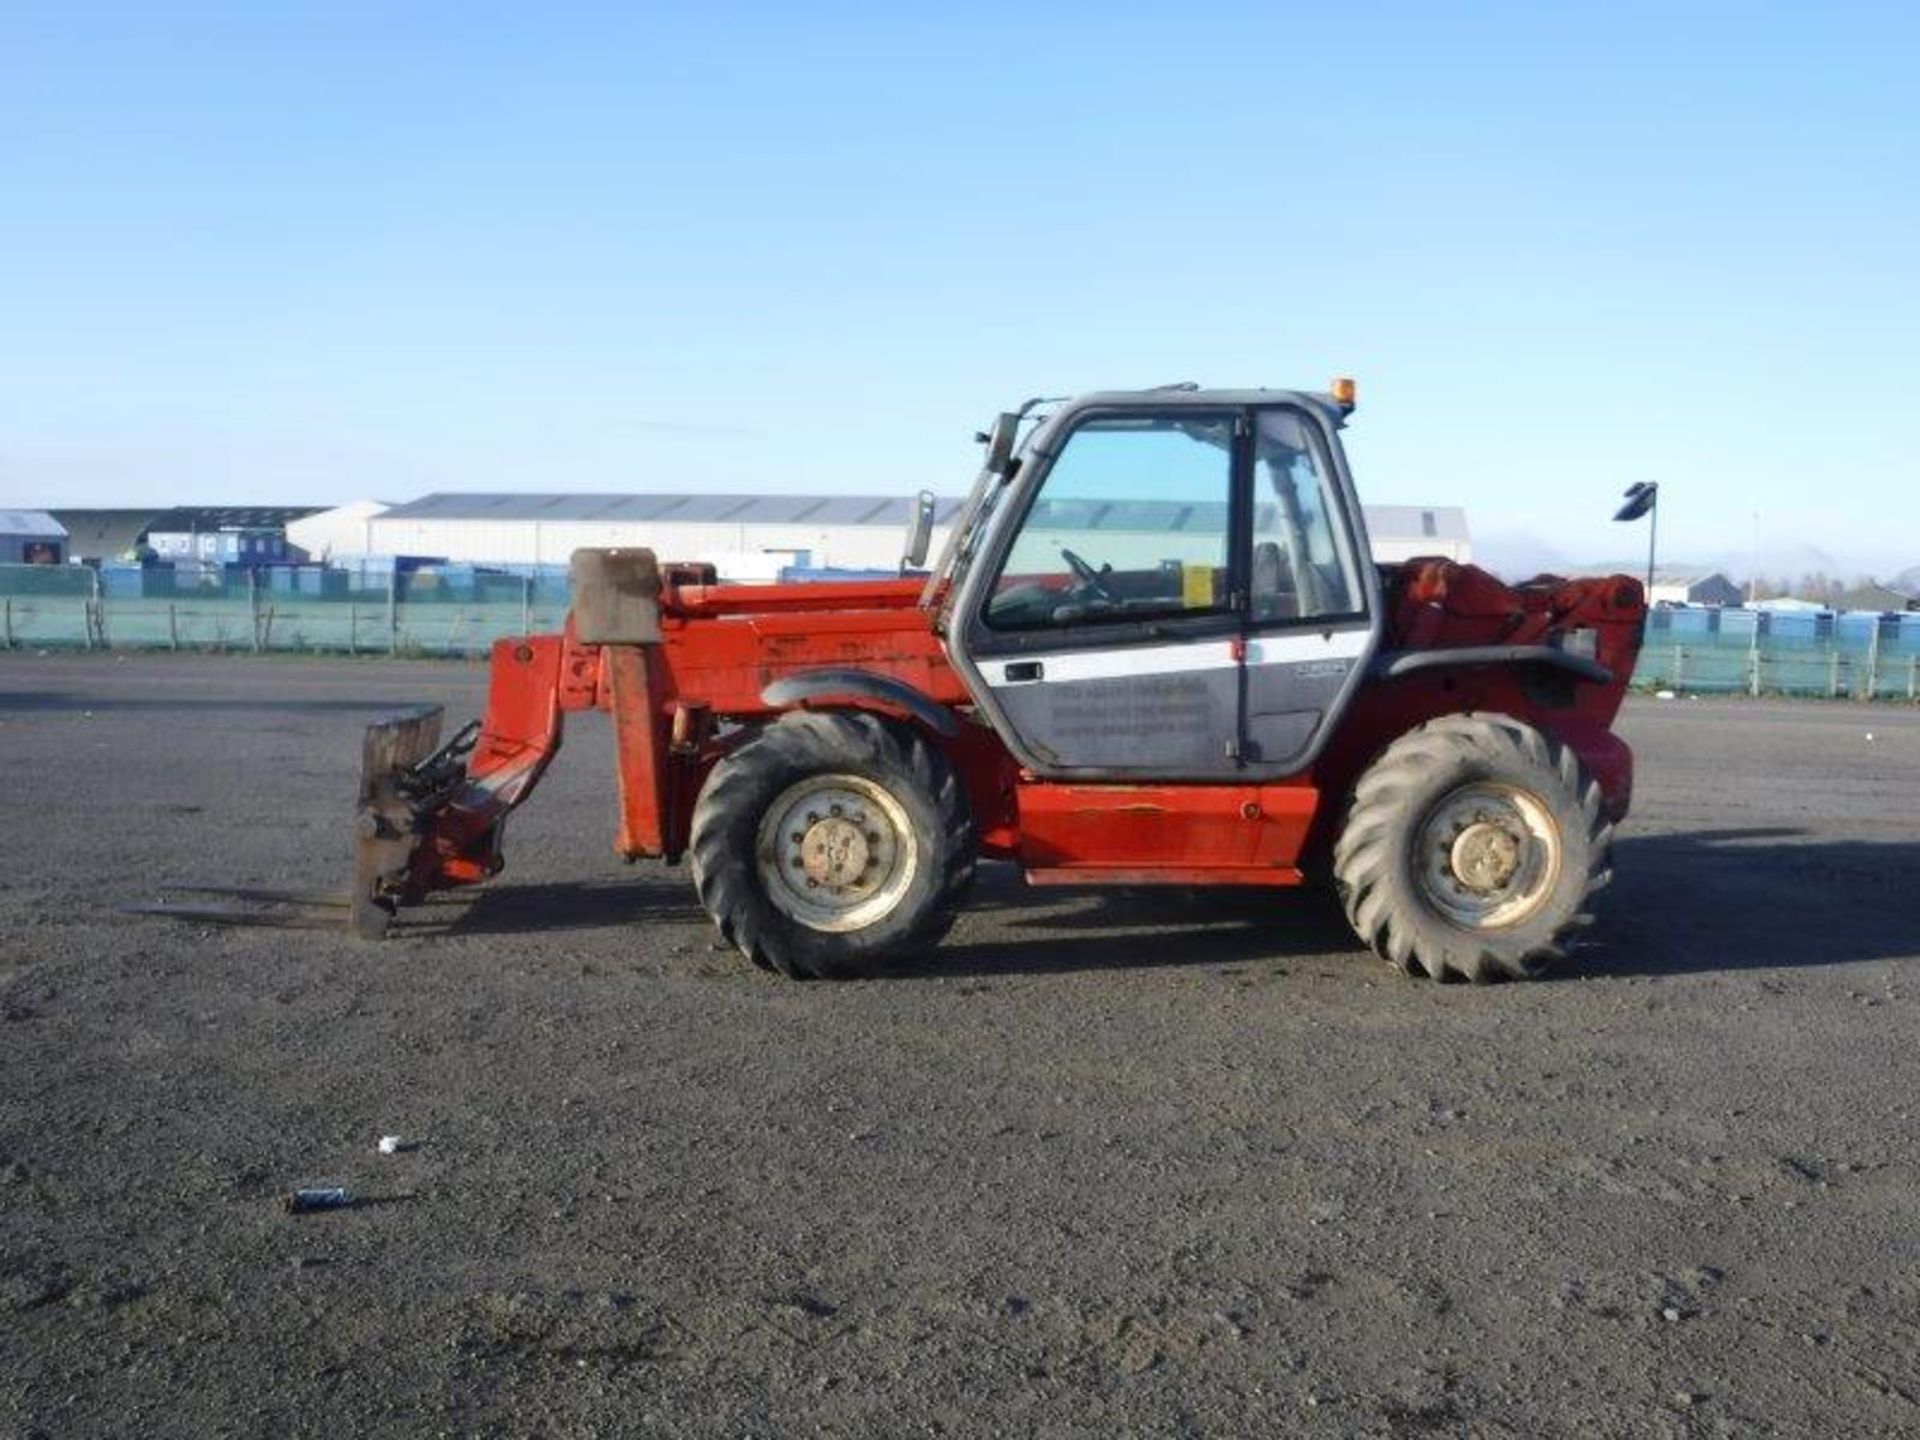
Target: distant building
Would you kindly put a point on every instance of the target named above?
(344, 531)
(1407, 532)
(746, 536)
(31, 537)
(736, 532)
(226, 534)
(103, 535)
(1694, 587)
(1875, 596)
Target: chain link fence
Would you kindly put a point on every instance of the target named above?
(462, 609)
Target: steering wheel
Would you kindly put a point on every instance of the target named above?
(1087, 575)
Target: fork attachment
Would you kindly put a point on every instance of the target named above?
(431, 815)
(386, 829)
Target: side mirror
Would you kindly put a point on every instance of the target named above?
(999, 442)
(919, 531)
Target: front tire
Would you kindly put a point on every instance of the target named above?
(831, 841)
(1471, 846)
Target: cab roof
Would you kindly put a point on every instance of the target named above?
(1184, 396)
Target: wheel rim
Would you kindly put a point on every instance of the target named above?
(1488, 856)
(836, 852)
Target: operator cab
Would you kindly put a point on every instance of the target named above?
(1165, 583)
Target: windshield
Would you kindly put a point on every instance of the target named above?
(1131, 522)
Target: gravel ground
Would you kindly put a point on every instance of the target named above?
(1104, 1165)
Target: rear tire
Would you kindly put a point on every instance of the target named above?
(1471, 847)
(831, 841)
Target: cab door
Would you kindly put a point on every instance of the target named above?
(1103, 629)
(1310, 627)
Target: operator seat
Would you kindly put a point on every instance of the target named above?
(1273, 592)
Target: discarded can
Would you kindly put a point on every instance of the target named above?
(333, 1197)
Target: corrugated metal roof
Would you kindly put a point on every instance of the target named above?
(103, 534)
(201, 519)
(1384, 522)
(1436, 522)
(31, 522)
(691, 508)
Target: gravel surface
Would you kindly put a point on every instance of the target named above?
(1140, 1163)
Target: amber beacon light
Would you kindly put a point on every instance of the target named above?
(1345, 392)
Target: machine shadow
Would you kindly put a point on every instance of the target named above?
(559, 905)
(1149, 927)
(1751, 899)
(1698, 902)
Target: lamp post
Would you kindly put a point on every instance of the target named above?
(1643, 498)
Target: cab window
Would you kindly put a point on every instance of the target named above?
(1130, 523)
(1303, 565)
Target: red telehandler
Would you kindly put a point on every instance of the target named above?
(1154, 651)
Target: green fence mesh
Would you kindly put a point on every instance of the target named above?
(456, 610)
(431, 614)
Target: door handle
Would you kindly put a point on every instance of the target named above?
(1018, 670)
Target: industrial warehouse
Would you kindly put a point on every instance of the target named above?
(746, 537)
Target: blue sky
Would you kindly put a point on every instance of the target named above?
(307, 253)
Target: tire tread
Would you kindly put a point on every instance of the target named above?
(1370, 845)
(809, 741)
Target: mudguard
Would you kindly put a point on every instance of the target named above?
(805, 685)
